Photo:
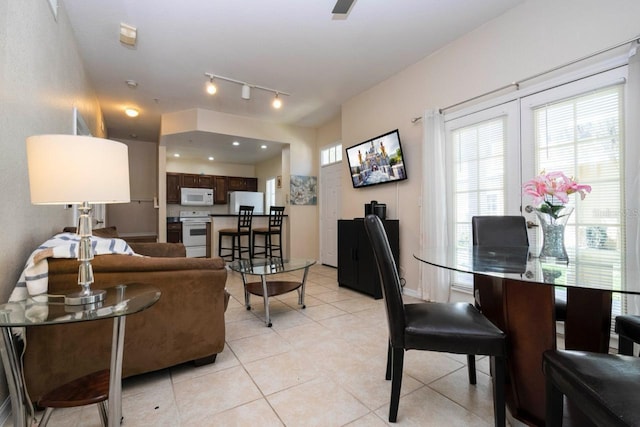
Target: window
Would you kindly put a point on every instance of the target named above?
(581, 136)
(331, 155)
(482, 167)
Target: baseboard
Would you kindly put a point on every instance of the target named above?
(5, 411)
(411, 293)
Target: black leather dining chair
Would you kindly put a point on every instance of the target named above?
(605, 387)
(507, 231)
(628, 330)
(245, 219)
(446, 327)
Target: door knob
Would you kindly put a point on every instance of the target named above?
(531, 224)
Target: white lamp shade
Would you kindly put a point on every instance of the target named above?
(69, 169)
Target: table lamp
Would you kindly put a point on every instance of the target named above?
(82, 170)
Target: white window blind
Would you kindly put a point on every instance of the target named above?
(479, 178)
(581, 136)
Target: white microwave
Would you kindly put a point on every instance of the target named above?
(196, 197)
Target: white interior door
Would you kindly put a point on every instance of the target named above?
(330, 194)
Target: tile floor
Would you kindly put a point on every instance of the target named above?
(319, 366)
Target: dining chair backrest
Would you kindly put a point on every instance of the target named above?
(276, 214)
(245, 217)
(389, 278)
(499, 230)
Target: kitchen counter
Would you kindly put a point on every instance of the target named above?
(173, 219)
(219, 221)
(236, 215)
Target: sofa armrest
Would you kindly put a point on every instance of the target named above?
(164, 250)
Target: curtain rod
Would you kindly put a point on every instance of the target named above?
(535, 76)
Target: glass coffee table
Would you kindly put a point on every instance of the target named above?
(120, 301)
(267, 288)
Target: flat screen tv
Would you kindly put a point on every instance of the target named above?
(376, 161)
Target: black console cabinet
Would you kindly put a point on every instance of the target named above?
(356, 266)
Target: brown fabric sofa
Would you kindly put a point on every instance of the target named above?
(186, 324)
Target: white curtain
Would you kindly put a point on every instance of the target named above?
(632, 159)
(434, 281)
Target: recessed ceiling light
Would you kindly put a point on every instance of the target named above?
(264, 147)
(236, 143)
(210, 157)
(176, 155)
(131, 112)
(132, 84)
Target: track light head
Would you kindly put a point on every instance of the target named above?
(246, 91)
(211, 87)
(277, 102)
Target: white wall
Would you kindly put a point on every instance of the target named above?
(41, 79)
(533, 37)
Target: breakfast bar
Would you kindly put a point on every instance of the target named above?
(220, 221)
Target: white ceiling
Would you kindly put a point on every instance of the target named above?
(294, 46)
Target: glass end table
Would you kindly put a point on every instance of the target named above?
(47, 309)
(265, 267)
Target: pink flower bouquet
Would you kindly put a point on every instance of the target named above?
(551, 190)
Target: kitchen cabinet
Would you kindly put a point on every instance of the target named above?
(221, 185)
(173, 187)
(174, 232)
(237, 183)
(190, 180)
(220, 190)
(356, 263)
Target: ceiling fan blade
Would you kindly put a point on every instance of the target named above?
(342, 7)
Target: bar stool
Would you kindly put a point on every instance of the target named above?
(245, 218)
(87, 390)
(628, 330)
(276, 215)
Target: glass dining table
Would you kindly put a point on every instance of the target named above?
(516, 291)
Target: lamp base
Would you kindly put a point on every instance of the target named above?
(85, 297)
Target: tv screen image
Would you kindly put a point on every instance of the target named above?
(377, 161)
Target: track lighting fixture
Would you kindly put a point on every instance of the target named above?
(277, 103)
(246, 88)
(246, 91)
(211, 87)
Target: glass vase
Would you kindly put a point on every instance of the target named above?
(553, 234)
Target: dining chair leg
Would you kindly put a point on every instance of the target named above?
(625, 346)
(554, 405)
(387, 375)
(498, 366)
(471, 366)
(396, 383)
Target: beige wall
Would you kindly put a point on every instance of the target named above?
(41, 79)
(300, 157)
(271, 168)
(330, 133)
(531, 38)
(139, 217)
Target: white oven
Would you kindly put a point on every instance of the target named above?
(194, 232)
